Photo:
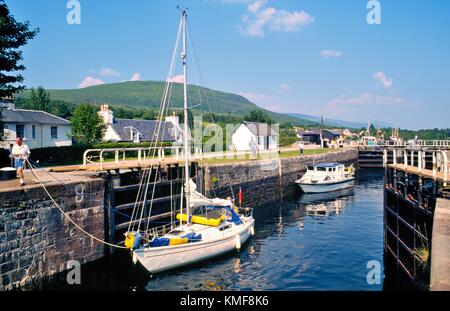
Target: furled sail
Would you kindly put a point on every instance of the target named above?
(198, 199)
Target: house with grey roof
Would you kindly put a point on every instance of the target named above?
(132, 130)
(39, 129)
(257, 135)
(316, 135)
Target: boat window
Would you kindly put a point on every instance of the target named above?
(310, 168)
(176, 232)
(321, 169)
(225, 227)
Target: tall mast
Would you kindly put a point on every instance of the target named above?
(186, 120)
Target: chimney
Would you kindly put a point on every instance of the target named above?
(174, 119)
(106, 114)
(8, 103)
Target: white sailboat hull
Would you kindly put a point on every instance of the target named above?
(159, 259)
(326, 187)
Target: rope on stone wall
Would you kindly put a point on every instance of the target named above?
(68, 217)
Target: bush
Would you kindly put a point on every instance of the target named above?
(58, 155)
(4, 158)
(74, 154)
(128, 145)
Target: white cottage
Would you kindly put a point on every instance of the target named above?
(39, 129)
(133, 130)
(254, 133)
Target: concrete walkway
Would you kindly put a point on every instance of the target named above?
(440, 252)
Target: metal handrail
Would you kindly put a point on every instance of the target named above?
(177, 151)
(143, 153)
(418, 143)
(440, 159)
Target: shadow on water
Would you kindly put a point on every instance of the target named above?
(315, 242)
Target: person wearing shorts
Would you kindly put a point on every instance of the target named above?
(20, 152)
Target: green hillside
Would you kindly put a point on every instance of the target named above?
(148, 94)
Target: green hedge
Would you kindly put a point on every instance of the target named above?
(74, 154)
(4, 158)
(128, 145)
(58, 155)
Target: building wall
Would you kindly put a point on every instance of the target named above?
(273, 144)
(110, 134)
(242, 137)
(37, 241)
(43, 135)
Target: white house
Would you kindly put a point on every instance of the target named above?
(254, 133)
(132, 130)
(39, 129)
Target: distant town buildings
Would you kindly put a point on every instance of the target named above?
(39, 129)
(325, 138)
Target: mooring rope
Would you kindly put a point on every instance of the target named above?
(68, 217)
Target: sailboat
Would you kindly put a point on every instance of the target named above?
(209, 228)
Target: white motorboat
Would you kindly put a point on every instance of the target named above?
(205, 228)
(326, 177)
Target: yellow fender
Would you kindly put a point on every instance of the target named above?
(178, 241)
(129, 239)
(213, 222)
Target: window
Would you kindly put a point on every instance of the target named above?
(33, 131)
(54, 132)
(20, 130)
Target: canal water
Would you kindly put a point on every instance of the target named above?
(313, 242)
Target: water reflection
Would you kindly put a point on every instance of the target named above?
(324, 204)
(294, 248)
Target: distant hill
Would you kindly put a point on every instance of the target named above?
(149, 93)
(338, 123)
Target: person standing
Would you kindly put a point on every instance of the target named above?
(253, 148)
(20, 152)
(302, 148)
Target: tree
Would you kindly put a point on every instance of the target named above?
(13, 35)
(258, 116)
(87, 126)
(62, 108)
(149, 115)
(40, 99)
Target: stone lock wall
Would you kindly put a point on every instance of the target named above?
(260, 180)
(36, 240)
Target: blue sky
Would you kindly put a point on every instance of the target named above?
(305, 56)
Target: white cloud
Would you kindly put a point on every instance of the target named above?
(330, 54)
(177, 79)
(381, 78)
(136, 77)
(260, 18)
(284, 87)
(109, 72)
(363, 101)
(255, 6)
(371, 106)
(90, 81)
